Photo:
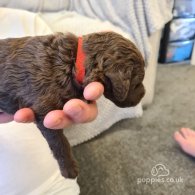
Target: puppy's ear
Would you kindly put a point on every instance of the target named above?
(120, 85)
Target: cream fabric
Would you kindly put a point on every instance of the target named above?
(27, 166)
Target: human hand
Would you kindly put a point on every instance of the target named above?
(74, 111)
(4, 117)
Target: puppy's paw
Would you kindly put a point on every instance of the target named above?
(71, 171)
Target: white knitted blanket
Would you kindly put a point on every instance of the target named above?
(139, 18)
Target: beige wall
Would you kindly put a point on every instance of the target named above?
(193, 56)
(150, 75)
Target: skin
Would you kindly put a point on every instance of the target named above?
(74, 111)
(186, 139)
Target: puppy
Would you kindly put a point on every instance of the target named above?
(44, 72)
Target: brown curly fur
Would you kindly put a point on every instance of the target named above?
(39, 73)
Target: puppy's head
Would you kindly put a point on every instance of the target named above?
(118, 64)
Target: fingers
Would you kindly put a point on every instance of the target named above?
(74, 111)
(5, 118)
(187, 132)
(24, 115)
(179, 138)
(183, 142)
(184, 132)
(80, 112)
(185, 138)
(93, 91)
(57, 119)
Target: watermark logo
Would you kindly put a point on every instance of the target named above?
(159, 170)
(161, 174)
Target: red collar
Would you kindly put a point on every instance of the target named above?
(80, 68)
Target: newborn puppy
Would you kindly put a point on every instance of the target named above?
(44, 72)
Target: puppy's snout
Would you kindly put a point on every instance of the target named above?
(137, 94)
(138, 86)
